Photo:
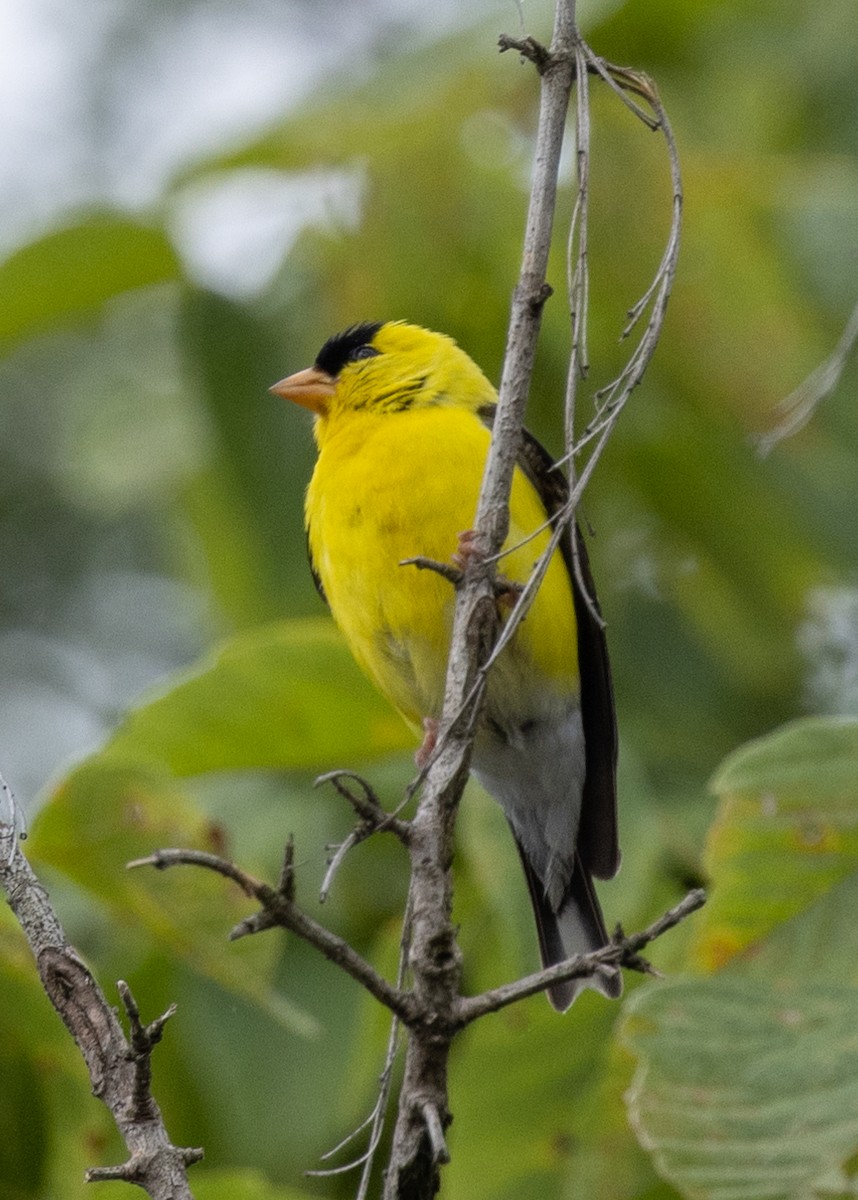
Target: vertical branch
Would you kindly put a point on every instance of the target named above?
(578, 275)
(418, 1149)
(531, 292)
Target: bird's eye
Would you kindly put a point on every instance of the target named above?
(364, 351)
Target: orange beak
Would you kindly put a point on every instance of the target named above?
(311, 389)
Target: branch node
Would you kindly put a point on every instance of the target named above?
(257, 923)
(368, 807)
(130, 1171)
(138, 1167)
(536, 303)
(143, 1040)
(529, 48)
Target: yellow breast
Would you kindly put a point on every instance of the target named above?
(397, 485)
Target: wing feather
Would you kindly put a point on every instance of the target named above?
(598, 844)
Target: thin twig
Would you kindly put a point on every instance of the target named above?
(376, 1118)
(578, 276)
(386, 1079)
(623, 80)
(798, 407)
(336, 860)
(374, 818)
(12, 818)
(447, 571)
(278, 909)
(621, 952)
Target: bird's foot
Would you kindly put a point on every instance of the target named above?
(469, 550)
(431, 726)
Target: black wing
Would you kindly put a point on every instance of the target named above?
(597, 836)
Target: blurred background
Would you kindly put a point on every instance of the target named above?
(193, 196)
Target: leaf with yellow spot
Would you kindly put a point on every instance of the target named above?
(785, 835)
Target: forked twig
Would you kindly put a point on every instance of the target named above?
(374, 818)
(278, 909)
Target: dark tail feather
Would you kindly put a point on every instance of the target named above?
(576, 928)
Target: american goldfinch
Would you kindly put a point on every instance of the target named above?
(402, 424)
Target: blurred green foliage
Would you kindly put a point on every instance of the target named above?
(151, 507)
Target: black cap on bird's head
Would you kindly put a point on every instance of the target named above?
(352, 344)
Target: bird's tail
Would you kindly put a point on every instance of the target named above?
(577, 927)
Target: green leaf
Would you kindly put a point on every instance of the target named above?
(786, 833)
(74, 270)
(285, 696)
(814, 757)
(821, 943)
(742, 1091)
(26, 1135)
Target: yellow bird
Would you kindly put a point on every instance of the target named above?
(403, 421)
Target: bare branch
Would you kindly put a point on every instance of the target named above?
(623, 951)
(278, 909)
(435, 957)
(120, 1072)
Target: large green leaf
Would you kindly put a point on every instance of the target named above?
(74, 270)
(786, 833)
(744, 1092)
(285, 696)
